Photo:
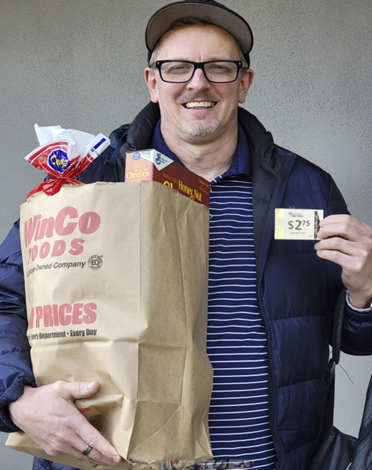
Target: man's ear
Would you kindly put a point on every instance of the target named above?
(245, 83)
(150, 80)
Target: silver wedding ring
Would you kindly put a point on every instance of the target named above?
(87, 450)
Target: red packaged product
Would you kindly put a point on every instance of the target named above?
(63, 154)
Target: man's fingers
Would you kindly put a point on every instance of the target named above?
(348, 232)
(101, 446)
(344, 226)
(338, 245)
(102, 450)
(341, 258)
(349, 255)
(94, 455)
(77, 434)
(76, 450)
(343, 219)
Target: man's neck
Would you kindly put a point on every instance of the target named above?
(207, 159)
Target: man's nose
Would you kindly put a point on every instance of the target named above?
(198, 81)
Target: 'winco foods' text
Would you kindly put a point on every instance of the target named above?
(37, 229)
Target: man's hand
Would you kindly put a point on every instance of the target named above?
(348, 242)
(49, 416)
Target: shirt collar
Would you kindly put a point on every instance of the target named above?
(240, 166)
(158, 143)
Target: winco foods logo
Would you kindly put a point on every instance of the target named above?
(95, 262)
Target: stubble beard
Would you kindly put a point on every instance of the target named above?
(198, 129)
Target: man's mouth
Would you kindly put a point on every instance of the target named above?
(199, 104)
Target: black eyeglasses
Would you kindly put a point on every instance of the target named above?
(215, 71)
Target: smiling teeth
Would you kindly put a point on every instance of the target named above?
(202, 104)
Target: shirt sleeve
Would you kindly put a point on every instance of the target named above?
(361, 310)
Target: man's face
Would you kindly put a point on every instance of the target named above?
(198, 111)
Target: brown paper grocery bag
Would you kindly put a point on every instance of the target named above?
(116, 288)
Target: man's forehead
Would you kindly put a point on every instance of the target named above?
(185, 34)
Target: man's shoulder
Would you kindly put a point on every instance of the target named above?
(301, 163)
(308, 178)
(305, 173)
(310, 171)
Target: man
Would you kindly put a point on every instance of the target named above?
(271, 302)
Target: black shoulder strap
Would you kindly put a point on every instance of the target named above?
(338, 326)
(329, 397)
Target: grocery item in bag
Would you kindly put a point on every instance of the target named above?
(63, 154)
(151, 165)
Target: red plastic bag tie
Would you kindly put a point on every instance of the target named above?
(53, 185)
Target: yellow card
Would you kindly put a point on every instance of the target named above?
(297, 224)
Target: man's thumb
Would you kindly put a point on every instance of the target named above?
(83, 389)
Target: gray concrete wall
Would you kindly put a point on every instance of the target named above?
(80, 64)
